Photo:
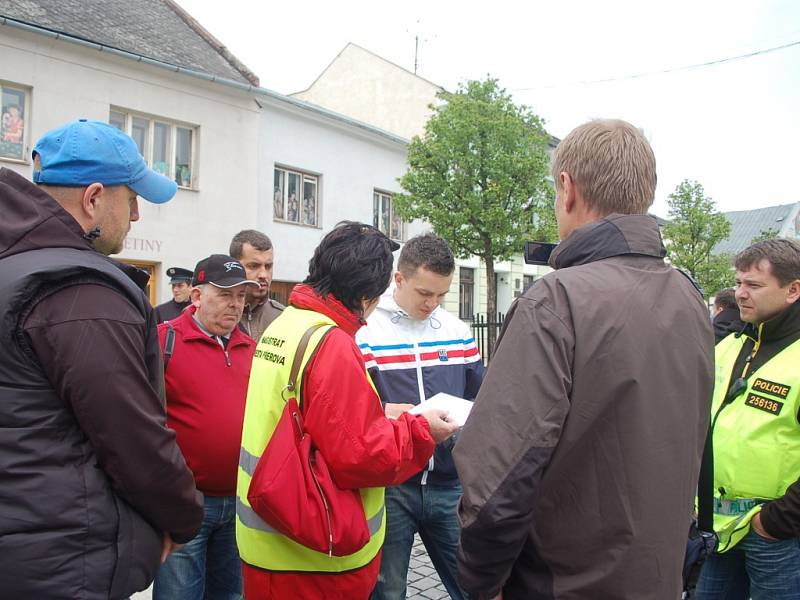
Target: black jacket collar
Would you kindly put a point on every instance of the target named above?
(614, 235)
(784, 325)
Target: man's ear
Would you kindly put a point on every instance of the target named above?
(568, 191)
(91, 200)
(793, 292)
(194, 296)
(398, 278)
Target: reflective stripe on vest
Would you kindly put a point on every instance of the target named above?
(756, 438)
(250, 519)
(260, 544)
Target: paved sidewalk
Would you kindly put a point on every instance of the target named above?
(423, 581)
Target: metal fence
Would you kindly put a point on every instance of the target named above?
(480, 326)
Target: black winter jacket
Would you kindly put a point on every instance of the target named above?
(726, 323)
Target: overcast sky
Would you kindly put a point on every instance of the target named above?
(733, 126)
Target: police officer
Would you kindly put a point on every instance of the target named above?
(181, 281)
(756, 434)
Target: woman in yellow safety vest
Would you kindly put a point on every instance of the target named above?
(364, 450)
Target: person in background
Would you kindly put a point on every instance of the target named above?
(415, 349)
(580, 459)
(725, 314)
(93, 488)
(207, 366)
(254, 250)
(363, 449)
(180, 279)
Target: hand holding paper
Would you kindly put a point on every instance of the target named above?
(442, 428)
(457, 409)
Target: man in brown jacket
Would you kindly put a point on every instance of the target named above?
(579, 462)
(254, 250)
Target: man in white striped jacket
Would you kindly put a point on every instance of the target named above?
(414, 349)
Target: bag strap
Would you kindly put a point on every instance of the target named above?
(298, 356)
(169, 345)
(705, 487)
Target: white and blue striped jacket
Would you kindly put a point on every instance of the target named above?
(411, 360)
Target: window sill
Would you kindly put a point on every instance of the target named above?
(188, 189)
(309, 226)
(16, 161)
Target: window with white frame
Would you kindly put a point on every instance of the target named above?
(14, 108)
(384, 217)
(295, 197)
(168, 147)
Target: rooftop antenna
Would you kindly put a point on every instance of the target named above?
(416, 50)
(416, 46)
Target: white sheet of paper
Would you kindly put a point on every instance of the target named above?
(457, 408)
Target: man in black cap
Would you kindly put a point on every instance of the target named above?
(207, 360)
(180, 279)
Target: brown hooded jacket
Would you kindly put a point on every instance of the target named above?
(580, 459)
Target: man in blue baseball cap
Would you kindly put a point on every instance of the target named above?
(95, 491)
(95, 172)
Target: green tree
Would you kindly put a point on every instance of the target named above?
(695, 227)
(766, 234)
(479, 176)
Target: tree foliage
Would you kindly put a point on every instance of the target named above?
(478, 175)
(695, 227)
(766, 234)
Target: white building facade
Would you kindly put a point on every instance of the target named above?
(333, 168)
(244, 157)
(182, 123)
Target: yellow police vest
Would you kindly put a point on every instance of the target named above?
(756, 438)
(260, 545)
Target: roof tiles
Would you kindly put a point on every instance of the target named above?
(157, 29)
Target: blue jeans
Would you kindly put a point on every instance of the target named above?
(208, 567)
(431, 511)
(755, 568)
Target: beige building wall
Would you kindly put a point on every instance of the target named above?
(371, 89)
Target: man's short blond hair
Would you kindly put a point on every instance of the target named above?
(612, 165)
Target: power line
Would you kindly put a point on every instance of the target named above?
(664, 71)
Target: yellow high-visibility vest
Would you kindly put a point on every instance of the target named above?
(259, 544)
(756, 438)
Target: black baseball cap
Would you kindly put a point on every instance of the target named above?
(222, 271)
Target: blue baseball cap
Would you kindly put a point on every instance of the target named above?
(84, 152)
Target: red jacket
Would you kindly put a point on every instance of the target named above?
(206, 388)
(363, 448)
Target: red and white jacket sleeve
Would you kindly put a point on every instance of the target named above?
(343, 414)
